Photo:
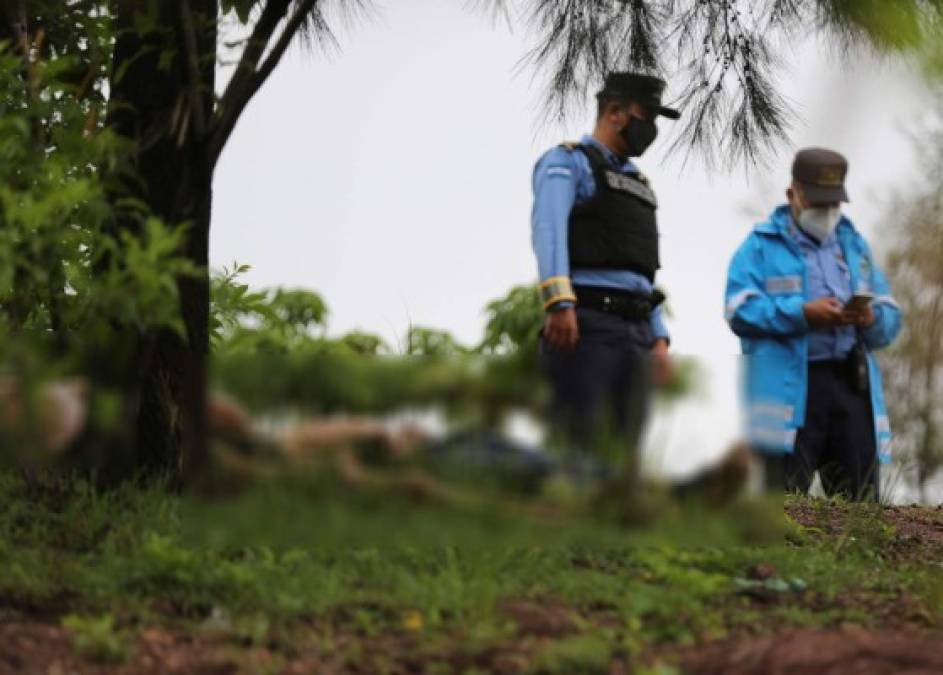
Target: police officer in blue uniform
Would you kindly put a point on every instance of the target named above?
(810, 307)
(595, 236)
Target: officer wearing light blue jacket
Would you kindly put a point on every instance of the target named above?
(810, 307)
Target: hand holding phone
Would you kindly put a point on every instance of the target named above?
(824, 313)
(859, 302)
(858, 311)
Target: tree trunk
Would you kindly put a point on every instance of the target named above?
(160, 103)
(14, 24)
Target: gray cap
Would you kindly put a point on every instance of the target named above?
(821, 173)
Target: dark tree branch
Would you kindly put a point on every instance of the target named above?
(240, 87)
(238, 94)
(272, 14)
(193, 68)
(296, 23)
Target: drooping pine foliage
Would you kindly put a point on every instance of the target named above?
(723, 58)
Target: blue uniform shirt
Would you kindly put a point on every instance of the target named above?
(562, 179)
(828, 277)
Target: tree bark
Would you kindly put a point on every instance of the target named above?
(15, 24)
(159, 101)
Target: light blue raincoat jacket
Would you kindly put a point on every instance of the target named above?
(766, 288)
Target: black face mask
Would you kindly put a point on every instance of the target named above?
(638, 134)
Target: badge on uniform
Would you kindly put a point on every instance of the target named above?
(636, 188)
(562, 171)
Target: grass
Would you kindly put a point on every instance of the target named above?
(295, 564)
(96, 638)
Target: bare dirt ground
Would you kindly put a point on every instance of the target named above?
(48, 650)
(841, 651)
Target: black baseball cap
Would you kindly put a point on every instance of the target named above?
(644, 89)
(821, 173)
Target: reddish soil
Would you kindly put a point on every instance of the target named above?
(910, 523)
(34, 648)
(28, 648)
(841, 651)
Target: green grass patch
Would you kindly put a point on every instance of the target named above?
(299, 555)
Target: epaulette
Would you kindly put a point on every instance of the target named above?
(570, 145)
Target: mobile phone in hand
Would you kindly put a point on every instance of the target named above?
(858, 302)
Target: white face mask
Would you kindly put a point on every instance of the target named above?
(820, 221)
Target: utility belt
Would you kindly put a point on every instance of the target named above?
(630, 305)
(853, 368)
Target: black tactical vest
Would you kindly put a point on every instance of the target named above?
(616, 228)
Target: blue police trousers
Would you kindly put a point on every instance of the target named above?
(837, 439)
(601, 389)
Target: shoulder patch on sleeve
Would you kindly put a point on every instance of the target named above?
(564, 171)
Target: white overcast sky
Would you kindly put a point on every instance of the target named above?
(394, 177)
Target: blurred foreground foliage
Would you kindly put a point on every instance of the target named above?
(66, 275)
(88, 273)
(75, 290)
(272, 357)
